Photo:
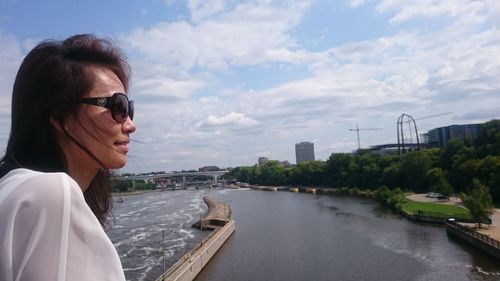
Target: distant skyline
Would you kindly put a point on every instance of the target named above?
(222, 83)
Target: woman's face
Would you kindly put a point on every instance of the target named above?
(95, 129)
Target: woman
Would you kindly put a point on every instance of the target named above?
(71, 122)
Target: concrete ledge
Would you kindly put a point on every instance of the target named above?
(191, 264)
(311, 190)
(218, 215)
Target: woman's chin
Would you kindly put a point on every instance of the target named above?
(117, 163)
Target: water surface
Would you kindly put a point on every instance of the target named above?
(292, 236)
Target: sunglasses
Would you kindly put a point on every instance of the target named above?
(118, 103)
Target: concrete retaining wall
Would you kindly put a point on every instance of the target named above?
(430, 219)
(474, 238)
(191, 264)
(421, 218)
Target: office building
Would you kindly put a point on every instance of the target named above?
(438, 137)
(304, 151)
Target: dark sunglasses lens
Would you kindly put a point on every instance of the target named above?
(131, 110)
(121, 110)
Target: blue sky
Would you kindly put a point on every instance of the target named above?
(223, 82)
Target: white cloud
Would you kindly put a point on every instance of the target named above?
(157, 79)
(251, 33)
(493, 6)
(480, 115)
(203, 9)
(264, 153)
(405, 10)
(30, 43)
(233, 119)
(210, 99)
(357, 3)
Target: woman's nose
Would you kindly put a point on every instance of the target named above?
(128, 126)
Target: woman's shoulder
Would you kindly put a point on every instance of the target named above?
(40, 188)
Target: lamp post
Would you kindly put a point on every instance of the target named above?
(163, 248)
(201, 231)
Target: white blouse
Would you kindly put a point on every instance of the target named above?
(48, 232)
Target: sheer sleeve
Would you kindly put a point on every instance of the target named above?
(51, 234)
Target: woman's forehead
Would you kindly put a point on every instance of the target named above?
(106, 82)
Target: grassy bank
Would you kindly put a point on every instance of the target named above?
(434, 209)
(397, 200)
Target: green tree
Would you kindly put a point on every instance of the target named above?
(272, 173)
(461, 176)
(443, 187)
(467, 172)
(438, 182)
(433, 155)
(337, 169)
(414, 168)
(121, 185)
(310, 173)
(369, 174)
(435, 174)
(451, 149)
(488, 142)
(392, 175)
(382, 194)
(245, 174)
(488, 171)
(142, 185)
(479, 202)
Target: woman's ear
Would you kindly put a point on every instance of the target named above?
(57, 124)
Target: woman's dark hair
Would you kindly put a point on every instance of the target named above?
(50, 82)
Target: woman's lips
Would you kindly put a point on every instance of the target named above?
(122, 146)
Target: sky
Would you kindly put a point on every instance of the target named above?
(219, 82)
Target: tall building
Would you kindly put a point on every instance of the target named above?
(304, 151)
(263, 160)
(438, 137)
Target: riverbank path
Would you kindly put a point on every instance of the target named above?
(492, 230)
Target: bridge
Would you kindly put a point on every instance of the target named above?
(180, 180)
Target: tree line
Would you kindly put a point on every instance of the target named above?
(454, 169)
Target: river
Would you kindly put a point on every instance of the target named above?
(292, 236)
